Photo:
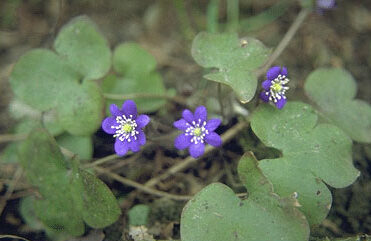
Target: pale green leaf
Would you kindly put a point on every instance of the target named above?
(217, 214)
(85, 49)
(130, 59)
(312, 154)
(80, 145)
(334, 91)
(39, 76)
(145, 83)
(80, 110)
(234, 61)
(138, 215)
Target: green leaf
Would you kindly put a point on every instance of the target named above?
(84, 48)
(149, 83)
(27, 211)
(216, 213)
(39, 76)
(234, 61)
(81, 145)
(312, 154)
(334, 90)
(69, 196)
(80, 110)
(130, 59)
(138, 215)
(45, 168)
(100, 207)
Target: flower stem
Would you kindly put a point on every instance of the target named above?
(176, 99)
(285, 41)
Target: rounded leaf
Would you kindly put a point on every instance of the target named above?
(84, 48)
(39, 76)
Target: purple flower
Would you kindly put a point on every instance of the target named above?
(275, 86)
(197, 129)
(324, 5)
(126, 126)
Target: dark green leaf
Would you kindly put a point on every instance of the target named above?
(100, 207)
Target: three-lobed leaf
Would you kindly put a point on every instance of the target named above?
(334, 90)
(312, 154)
(235, 62)
(216, 213)
(48, 82)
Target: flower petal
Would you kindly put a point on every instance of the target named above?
(108, 123)
(212, 124)
(273, 72)
(142, 121)
(115, 111)
(181, 124)
(264, 96)
(266, 84)
(182, 141)
(134, 145)
(196, 150)
(141, 138)
(327, 4)
(213, 139)
(281, 103)
(129, 108)
(187, 115)
(200, 113)
(284, 71)
(121, 147)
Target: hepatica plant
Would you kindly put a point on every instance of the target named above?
(60, 106)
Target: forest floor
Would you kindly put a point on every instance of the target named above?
(340, 38)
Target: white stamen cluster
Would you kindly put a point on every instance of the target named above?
(127, 128)
(278, 89)
(199, 128)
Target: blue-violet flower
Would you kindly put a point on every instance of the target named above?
(126, 126)
(275, 86)
(322, 5)
(196, 130)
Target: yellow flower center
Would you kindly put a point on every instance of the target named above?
(127, 128)
(197, 132)
(276, 87)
